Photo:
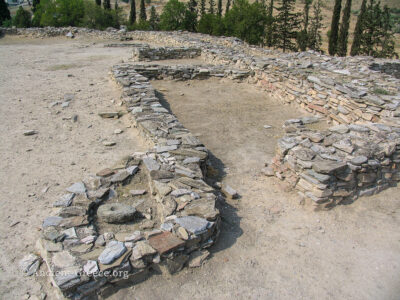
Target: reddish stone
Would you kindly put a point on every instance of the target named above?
(165, 242)
(105, 172)
(318, 108)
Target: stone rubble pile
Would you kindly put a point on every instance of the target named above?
(341, 163)
(162, 53)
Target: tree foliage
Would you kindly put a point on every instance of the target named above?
(344, 30)
(173, 16)
(333, 36)
(314, 36)
(142, 15)
(287, 23)
(4, 12)
(132, 14)
(23, 18)
(246, 21)
(154, 20)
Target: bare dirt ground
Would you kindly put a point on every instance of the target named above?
(270, 247)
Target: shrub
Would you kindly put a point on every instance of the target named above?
(23, 18)
(173, 16)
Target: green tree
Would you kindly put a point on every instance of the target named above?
(302, 36)
(211, 24)
(116, 5)
(106, 4)
(132, 14)
(315, 39)
(371, 33)
(98, 2)
(270, 24)
(387, 43)
(246, 21)
(202, 7)
(211, 6)
(173, 16)
(191, 16)
(355, 48)
(333, 36)
(22, 18)
(228, 6)
(4, 12)
(219, 8)
(154, 19)
(98, 18)
(35, 4)
(287, 25)
(142, 15)
(344, 30)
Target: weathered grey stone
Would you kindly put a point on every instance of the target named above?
(194, 224)
(116, 213)
(328, 167)
(151, 164)
(77, 188)
(359, 160)
(112, 252)
(52, 221)
(65, 200)
(29, 264)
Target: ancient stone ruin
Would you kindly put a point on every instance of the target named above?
(156, 210)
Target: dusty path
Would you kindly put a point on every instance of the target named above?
(270, 246)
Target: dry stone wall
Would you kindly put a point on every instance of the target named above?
(163, 53)
(338, 164)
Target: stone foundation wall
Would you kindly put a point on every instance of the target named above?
(189, 72)
(169, 228)
(163, 53)
(339, 164)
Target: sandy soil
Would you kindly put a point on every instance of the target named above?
(271, 247)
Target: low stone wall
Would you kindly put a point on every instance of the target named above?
(154, 211)
(342, 163)
(188, 72)
(163, 53)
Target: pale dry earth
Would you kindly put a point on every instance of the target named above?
(270, 247)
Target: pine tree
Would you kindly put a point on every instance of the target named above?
(387, 43)
(142, 15)
(106, 4)
(228, 6)
(371, 34)
(344, 30)
(192, 5)
(35, 4)
(355, 48)
(202, 8)
(315, 39)
(302, 36)
(270, 24)
(132, 14)
(154, 19)
(191, 16)
(211, 7)
(98, 2)
(219, 8)
(4, 12)
(287, 24)
(333, 36)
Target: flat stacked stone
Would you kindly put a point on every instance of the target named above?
(341, 163)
